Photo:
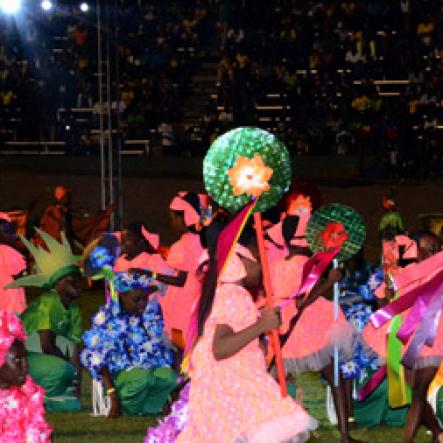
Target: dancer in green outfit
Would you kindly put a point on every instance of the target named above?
(53, 324)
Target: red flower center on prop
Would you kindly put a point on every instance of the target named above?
(334, 235)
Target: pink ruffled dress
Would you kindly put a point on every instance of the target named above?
(310, 347)
(275, 252)
(235, 400)
(11, 263)
(178, 302)
(376, 338)
(22, 414)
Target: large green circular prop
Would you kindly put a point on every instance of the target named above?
(246, 142)
(352, 222)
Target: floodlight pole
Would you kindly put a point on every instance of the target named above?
(109, 115)
(100, 106)
(110, 149)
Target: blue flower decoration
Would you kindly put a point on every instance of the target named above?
(367, 290)
(93, 338)
(350, 369)
(120, 341)
(376, 279)
(100, 318)
(358, 314)
(125, 282)
(101, 257)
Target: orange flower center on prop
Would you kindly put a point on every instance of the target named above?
(334, 235)
(250, 176)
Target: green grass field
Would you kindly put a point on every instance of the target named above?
(81, 427)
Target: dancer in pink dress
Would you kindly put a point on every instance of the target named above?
(140, 254)
(187, 211)
(310, 345)
(140, 250)
(12, 263)
(429, 251)
(232, 396)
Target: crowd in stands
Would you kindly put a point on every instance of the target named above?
(329, 62)
(327, 59)
(49, 61)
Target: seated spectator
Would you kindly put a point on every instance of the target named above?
(80, 34)
(425, 30)
(7, 96)
(167, 140)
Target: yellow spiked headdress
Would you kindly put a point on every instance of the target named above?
(52, 264)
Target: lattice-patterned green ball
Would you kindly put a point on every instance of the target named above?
(246, 142)
(352, 222)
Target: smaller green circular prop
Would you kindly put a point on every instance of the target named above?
(246, 142)
(352, 222)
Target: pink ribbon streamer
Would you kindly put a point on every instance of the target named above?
(373, 383)
(419, 308)
(426, 302)
(383, 315)
(426, 331)
(312, 271)
(229, 236)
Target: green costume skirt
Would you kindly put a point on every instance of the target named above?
(375, 410)
(144, 391)
(439, 405)
(56, 376)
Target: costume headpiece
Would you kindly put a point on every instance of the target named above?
(192, 215)
(99, 265)
(53, 263)
(300, 207)
(60, 192)
(125, 282)
(305, 188)
(388, 203)
(152, 238)
(5, 216)
(11, 328)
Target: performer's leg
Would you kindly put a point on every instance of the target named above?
(339, 396)
(416, 415)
